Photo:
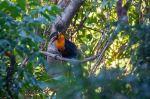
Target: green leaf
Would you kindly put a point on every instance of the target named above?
(22, 4)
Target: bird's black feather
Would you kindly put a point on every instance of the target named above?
(70, 50)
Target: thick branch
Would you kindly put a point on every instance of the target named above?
(62, 22)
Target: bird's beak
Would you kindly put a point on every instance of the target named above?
(54, 38)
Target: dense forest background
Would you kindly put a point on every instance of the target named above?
(112, 36)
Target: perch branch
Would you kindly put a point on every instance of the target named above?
(70, 60)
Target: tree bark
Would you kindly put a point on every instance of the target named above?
(61, 24)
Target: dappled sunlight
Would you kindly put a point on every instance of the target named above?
(74, 49)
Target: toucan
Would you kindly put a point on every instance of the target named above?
(66, 48)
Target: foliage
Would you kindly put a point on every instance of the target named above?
(19, 28)
(121, 73)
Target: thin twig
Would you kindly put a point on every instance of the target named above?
(100, 57)
(24, 61)
(96, 30)
(109, 42)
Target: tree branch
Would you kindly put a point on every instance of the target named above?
(57, 57)
(62, 22)
(9, 76)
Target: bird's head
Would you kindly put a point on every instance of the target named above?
(59, 40)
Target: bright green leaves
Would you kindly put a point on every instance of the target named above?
(10, 8)
(23, 26)
(22, 4)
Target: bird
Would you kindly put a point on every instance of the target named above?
(65, 47)
(60, 45)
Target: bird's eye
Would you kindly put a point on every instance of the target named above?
(53, 35)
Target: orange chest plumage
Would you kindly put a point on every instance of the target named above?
(66, 47)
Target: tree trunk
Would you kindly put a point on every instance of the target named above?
(61, 24)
